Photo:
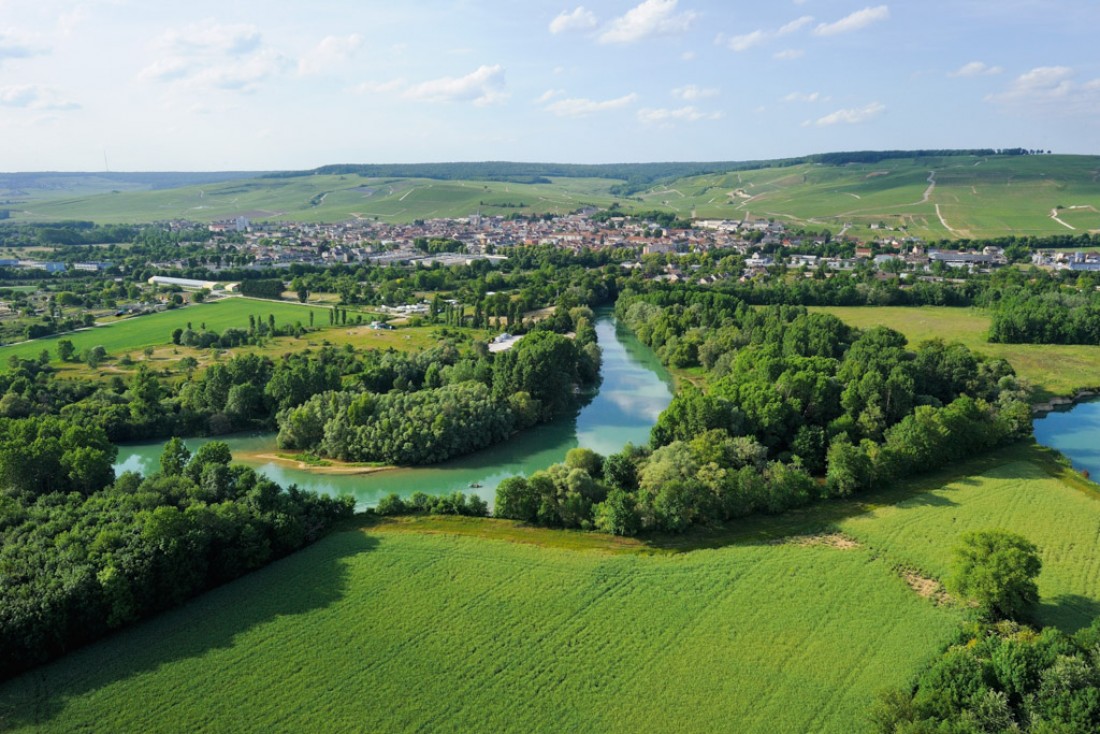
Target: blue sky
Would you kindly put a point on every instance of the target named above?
(244, 84)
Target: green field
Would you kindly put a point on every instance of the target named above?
(132, 335)
(1053, 369)
(975, 197)
(444, 625)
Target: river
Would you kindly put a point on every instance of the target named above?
(634, 391)
(1075, 431)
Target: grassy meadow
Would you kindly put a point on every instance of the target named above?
(1053, 369)
(131, 336)
(453, 624)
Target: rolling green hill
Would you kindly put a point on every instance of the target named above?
(933, 196)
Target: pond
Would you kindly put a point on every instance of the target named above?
(634, 391)
(1075, 431)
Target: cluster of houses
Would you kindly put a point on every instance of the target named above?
(1083, 262)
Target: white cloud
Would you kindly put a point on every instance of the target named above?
(1042, 84)
(802, 97)
(241, 75)
(34, 97)
(692, 92)
(854, 22)
(747, 40)
(852, 116)
(650, 18)
(330, 52)
(581, 107)
(483, 86)
(663, 116)
(688, 56)
(976, 68)
(371, 87)
(211, 37)
(548, 95)
(15, 46)
(789, 54)
(167, 69)
(578, 20)
(795, 25)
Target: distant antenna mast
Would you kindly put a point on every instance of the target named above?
(106, 167)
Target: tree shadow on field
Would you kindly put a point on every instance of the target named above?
(1068, 612)
(311, 579)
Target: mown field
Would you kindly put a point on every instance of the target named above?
(461, 625)
(971, 197)
(131, 336)
(1053, 369)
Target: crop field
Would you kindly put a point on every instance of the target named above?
(975, 196)
(1053, 369)
(324, 199)
(452, 624)
(1020, 496)
(134, 334)
(934, 198)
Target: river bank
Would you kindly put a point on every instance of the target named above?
(635, 389)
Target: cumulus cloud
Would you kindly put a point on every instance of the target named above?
(650, 18)
(854, 22)
(662, 116)
(34, 97)
(581, 107)
(579, 19)
(483, 86)
(852, 116)
(976, 68)
(1041, 84)
(330, 52)
(693, 91)
(789, 54)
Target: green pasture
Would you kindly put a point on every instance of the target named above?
(134, 334)
(1052, 369)
(454, 624)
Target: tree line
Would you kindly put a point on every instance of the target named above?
(84, 553)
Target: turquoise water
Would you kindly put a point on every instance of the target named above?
(1075, 431)
(634, 391)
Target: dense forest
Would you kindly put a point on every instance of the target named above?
(798, 407)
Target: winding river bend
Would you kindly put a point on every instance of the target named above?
(634, 391)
